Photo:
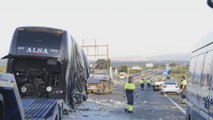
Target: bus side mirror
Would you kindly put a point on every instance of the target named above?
(210, 3)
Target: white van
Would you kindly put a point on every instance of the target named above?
(200, 84)
(122, 75)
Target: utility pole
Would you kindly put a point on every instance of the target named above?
(96, 50)
(99, 52)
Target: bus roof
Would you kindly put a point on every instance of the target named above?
(205, 41)
(39, 28)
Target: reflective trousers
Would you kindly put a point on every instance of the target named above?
(130, 100)
(142, 86)
(183, 94)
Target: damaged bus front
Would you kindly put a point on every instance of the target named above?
(47, 63)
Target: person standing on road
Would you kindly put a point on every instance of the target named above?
(129, 90)
(142, 83)
(148, 84)
(183, 89)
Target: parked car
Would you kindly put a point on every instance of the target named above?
(157, 83)
(170, 87)
(122, 75)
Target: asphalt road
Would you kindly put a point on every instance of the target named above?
(149, 105)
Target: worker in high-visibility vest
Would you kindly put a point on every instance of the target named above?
(129, 90)
(148, 83)
(183, 85)
(142, 83)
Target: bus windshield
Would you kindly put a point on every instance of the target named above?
(41, 39)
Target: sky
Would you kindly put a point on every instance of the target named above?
(130, 27)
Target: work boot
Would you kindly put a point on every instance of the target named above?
(125, 109)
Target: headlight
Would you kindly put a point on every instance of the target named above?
(49, 88)
(23, 89)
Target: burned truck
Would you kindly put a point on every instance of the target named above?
(48, 63)
(100, 80)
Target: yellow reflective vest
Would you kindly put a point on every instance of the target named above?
(129, 86)
(184, 82)
(148, 81)
(141, 82)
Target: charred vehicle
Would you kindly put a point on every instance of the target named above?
(48, 63)
(100, 80)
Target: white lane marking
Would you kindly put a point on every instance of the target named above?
(178, 106)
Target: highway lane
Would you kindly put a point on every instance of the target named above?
(176, 99)
(149, 105)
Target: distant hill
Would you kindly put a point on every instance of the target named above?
(173, 57)
(160, 59)
(129, 58)
(142, 63)
(165, 57)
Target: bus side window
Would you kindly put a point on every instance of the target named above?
(207, 71)
(199, 69)
(192, 69)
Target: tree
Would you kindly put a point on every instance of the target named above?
(123, 68)
(172, 64)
